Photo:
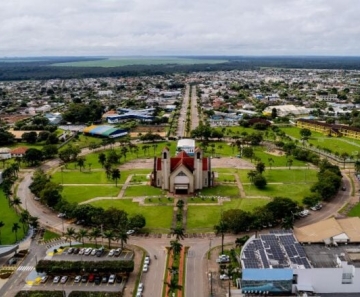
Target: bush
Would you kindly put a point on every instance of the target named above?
(260, 181)
(40, 294)
(95, 294)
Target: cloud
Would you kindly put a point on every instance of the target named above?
(186, 27)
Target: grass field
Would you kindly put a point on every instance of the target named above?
(125, 61)
(221, 190)
(205, 217)
(48, 235)
(335, 144)
(157, 217)
(355, 211)
(80, 194)
(133, 191)
(8, 217)
(84, 141)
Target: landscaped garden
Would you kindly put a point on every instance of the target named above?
(80, 194)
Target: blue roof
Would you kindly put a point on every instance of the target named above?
(267, 274)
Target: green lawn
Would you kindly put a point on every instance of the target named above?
(355, 211)
(48, 235)
(221, 190)
(205, 217)
(80, 194)
(202, 200)
(157, 217)
(8, 217)
(84, 141)
(283, 175)
(159, 200)
(335, 144)
(134, 191)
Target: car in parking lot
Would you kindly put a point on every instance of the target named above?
(93, 252)
(304, 213)
(147, 260)
(105, 279)
(140, 287)
(97, 280)
(91, 278)
(112, 279)
(84, 278)
(138, 294)
(44, 279)
(316, 207)
(82, 251)
(99, 252)
(111, 253)
(118, 279)
(76, 250)
(64, 279)
(117, 252)
(87, 251)
(224, 276)
(70, 250)
(61, 215)
(78, 279)
(145, 268)
(56, 279)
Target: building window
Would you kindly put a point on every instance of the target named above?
(165, 156)
(347, 278)
(198, 155)
(181, 174)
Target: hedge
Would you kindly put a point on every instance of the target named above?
(40, 294)
(55, 267)
(95, 294)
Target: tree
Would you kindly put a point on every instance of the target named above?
(344, 156)
(15, 202)
(137, 221)
(29, 137)
(289, 162)
(287, 223)
(172, 286)
(221, 228)
(237, 220)
(271, 162)
(95, 234)
(312, 199)
(70, 234)
(260, 167)
(178, 232)
(282, 207)
(34, 222)
(80, 161)
(81, 234)
(24, 219)
(49, 150)
(274, 113)
(33, 156)
(51, 194)
(176, 246)
(15, 228)
(108, 171)
(115, 175)
(305, 133)
(251, 175)
(248, 152)
(122, 236)
(109, 235)
(260, 181)
(357, 166)
(2, 224)
(102, 159)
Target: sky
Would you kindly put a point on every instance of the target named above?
(179, 27)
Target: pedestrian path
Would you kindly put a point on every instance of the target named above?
(127, 182)
(25, 268)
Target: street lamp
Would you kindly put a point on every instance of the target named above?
(210, 280)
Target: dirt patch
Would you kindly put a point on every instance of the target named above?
(145, 129)
(136, 134)
(275, 152)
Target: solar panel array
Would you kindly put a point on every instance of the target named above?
(277, 249)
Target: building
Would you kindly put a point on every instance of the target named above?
(186, 145)
(285, 110)
(144, 115)
(5, 153)
(319, 258)
(327, 98)
(18, 152)
(182, 174)
(105, 131)
(329, 129)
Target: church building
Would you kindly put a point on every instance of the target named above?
(182, 174)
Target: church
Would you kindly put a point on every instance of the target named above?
(182, 174)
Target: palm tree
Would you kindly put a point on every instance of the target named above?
(287, 223)
(15, 202)
(136, 150)
(357, 166)
(81, 234)
(80, 162)
(178, 232)
(89, 165)
(102, 159)
(24, 219)
(176, 246)
(2, 224)
(289, 162)
(271, 162)
(123, 237)
(15, 228)
(124, 151)
(154, 147)
(251, 175)
(95, 234)
(115, 175)
(70, 234)
(109, 235)
(108, 169)
(172, 286)
(221, 228)
(34, 222)
(15, 168)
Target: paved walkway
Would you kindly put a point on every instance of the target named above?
(126, 184)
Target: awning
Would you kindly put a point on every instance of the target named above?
(305, 288)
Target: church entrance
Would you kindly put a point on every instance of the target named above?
(181, 184)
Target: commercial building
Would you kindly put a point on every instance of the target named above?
(105, 131)
(285, 110)
(144, 115)
(182, 174)
(186, 145)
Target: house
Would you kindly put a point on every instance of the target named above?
(18, 152)
(5, 153)
(182, 174)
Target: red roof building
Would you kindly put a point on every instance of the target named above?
(18, 152)
(182, 174)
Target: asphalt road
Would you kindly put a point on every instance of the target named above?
(194, 111)
(182, 117)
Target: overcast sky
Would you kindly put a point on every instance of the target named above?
(179, 27)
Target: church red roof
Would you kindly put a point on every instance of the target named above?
(182, 154)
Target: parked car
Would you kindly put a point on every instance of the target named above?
(76, 250)
(147, 260)
(93, 252)
(111, 279)
(87, 251)
(140, 287)
(304, 213)
(97, 280)
(61, 215)
(70, 250)
(91, 278)
(44, 279)
(84, 278)
(119, 279)
(145, 268)
(105, 279)
(12, 261)
(117, 252)
(64, 279)
(78, 279)
(223, 259)
(224, 276)
(138, 294)
(56, 279)
(111, 253)
(316, 207)
(99, 252)
(82, 251)
(130, 232)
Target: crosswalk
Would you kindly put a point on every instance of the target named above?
(25, 268)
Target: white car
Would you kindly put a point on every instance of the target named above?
(304, 213)
(82, 251)
(87, 251)
(147, 260)
(56, 279)
(111, 279)
(129, 232)
(145, 268)
(111, 253)
(224, 276)
(140, 287)
(93, 252)
(77, 279)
